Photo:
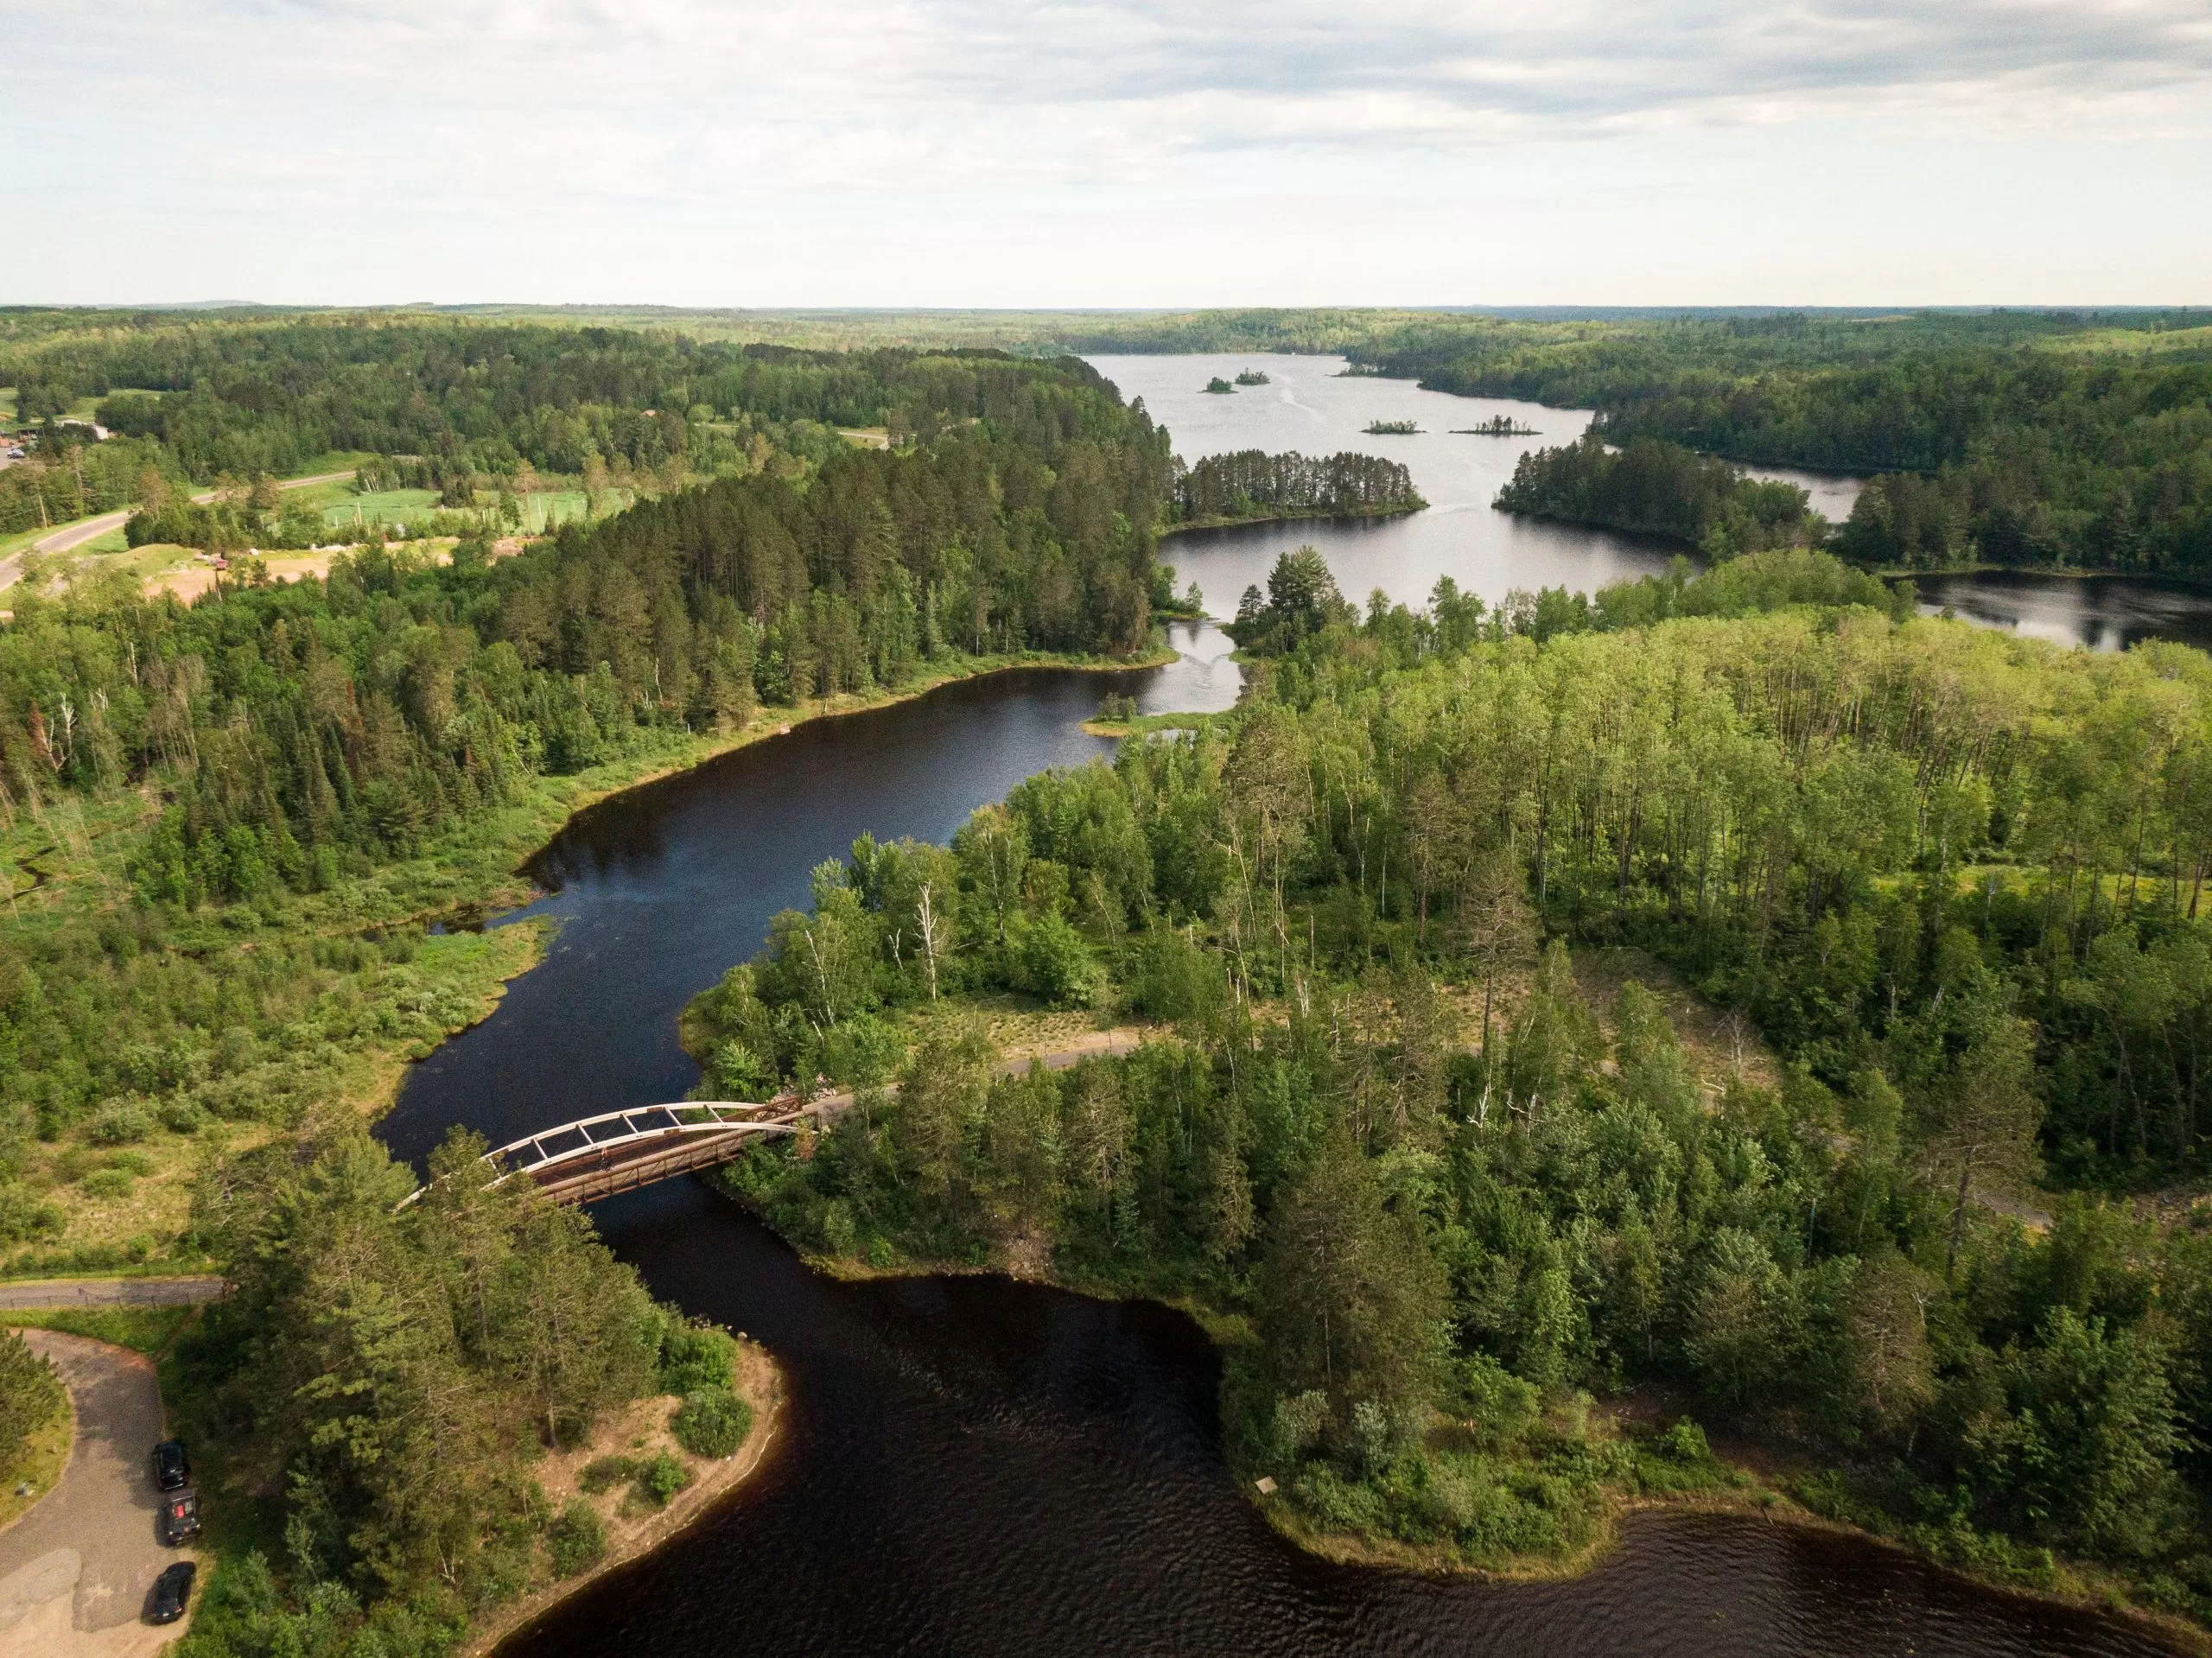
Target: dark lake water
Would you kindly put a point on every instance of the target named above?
(972, 1465)
(1308, 406)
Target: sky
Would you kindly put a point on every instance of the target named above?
(1114, 153)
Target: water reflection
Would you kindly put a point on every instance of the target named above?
(2102, 612)
(978, 1466)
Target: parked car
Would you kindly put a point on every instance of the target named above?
(180, 1517)
(172, 1467)
(172, 1593)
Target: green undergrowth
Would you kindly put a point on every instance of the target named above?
(150, 1330)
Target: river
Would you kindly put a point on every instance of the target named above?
(973, 1466)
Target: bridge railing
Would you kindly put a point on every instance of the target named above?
(611, 1136)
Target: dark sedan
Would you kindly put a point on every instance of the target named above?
(172, 1592)
(172, 1467)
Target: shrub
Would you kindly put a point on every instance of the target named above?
(712, 1422)
(106, 1183)
(23, 1218)
(697, 1356)
(576, 1540)
(1052, 962)
(1171, 978)
(1677, 1460)
(605, 1472)
(658, 1479)
(121, 1122)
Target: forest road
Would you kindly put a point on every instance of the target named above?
(191, 1291)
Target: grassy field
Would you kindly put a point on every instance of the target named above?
(40, 1466)
(546, 509)
(348, 510)
(7, 402)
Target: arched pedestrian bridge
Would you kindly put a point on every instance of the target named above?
(592, 1157)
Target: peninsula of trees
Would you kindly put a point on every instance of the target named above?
(2015, 438)
(1941, 890)
(1662, 489)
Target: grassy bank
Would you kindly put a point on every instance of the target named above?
(1291, 515)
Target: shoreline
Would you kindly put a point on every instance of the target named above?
(689, 1506)
(2196, 584)
(1304, 515)
(557, 809)
(1757, 1496)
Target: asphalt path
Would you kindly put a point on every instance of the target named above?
(85, 530)
(92, 1540)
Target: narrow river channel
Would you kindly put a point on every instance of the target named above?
(973, 1466)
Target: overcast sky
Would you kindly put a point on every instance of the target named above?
(1114, 153)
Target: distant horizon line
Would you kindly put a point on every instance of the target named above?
(1871, 311)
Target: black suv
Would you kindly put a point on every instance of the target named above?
(172, 1592)
(180, 1517)
(172, 1469)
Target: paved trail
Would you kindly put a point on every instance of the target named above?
(76, 535)
(75, 1571)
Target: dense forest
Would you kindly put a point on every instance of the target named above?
(2032, 438)
(241, 399)
(1663, 489)
(300, 734)
(1252, 484)
(245, 794)
(1461, 1198)
(1954, 879)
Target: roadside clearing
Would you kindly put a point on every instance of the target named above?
(76, 535)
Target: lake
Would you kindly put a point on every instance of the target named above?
(1309, 406)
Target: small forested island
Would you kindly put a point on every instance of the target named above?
(1252, 377)
(1391, 427)
(1252, 484)
(1714, 1003)
(1220, 387)
(1496, 426)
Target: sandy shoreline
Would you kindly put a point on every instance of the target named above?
(761, 1382)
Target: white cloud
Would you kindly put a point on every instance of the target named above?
(339, 129)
